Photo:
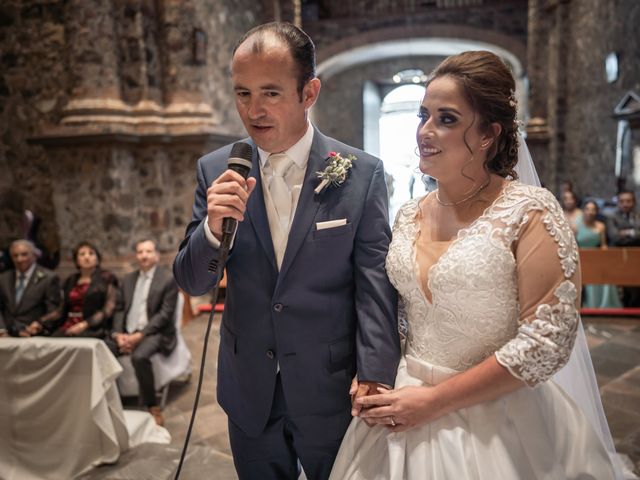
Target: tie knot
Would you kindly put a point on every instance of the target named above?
(280, 163)
(22, 276)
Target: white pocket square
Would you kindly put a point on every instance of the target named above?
(331, 224)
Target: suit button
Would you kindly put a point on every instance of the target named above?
(270, 354)
(278, 307)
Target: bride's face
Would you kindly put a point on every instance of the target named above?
(449, 137)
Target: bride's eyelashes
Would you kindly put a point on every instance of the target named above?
(443, 119)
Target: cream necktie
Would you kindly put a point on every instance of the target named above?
(279, 189)
(138, 303)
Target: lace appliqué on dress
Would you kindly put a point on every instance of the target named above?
(474, 311)
(543, 347)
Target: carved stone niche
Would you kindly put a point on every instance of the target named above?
(627, 166)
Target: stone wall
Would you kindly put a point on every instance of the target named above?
(339, 109)
(597, 28)
(105, 106)
(508, 17)
(569, 92)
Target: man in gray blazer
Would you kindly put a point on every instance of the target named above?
(30, 295)
(308, 302)
(144, 322)
(623, 230)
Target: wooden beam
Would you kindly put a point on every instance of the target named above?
(615, 266)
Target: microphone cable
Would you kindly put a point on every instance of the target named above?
(240, 161)
(223, 255)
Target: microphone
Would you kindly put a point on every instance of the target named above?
(239, 162)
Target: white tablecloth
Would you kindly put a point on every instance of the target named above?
(60, 412)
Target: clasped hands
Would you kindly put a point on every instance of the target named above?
(30, 330)
(127, 342)
(398, 410)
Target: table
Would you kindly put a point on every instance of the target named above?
(60, 412)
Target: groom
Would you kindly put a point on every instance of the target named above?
(308, 302)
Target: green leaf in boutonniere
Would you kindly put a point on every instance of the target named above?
(335, 173)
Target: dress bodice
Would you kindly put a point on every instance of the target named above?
(474, 309)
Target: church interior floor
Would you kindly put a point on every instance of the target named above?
(614, 344)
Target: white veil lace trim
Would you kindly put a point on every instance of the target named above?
(577, 378)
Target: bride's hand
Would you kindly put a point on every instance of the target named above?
(402, 409)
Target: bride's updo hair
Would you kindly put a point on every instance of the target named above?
(489, 87)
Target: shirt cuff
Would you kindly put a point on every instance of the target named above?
(213, 241)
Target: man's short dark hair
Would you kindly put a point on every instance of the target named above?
(300, 45)
(627, 192)
(146, 239)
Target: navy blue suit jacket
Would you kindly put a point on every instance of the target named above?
(328, 313)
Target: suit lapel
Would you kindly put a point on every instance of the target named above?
(257, 213)
(130, 287)
(153, 288)
(11, 288)
(308, 203)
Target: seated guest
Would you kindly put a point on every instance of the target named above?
(624, 231)
(624, 223)
(89, 296)
(591, 233)
(144, 323)
(29, 295)
(570, 207)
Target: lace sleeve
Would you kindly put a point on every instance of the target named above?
(548, 284)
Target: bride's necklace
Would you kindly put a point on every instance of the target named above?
(469, 197)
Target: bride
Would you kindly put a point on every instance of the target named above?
(488, 275)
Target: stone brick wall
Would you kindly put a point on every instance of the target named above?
(597, 28)
(105, 105)
(87, 177)
(508, 17)
(569, 92)
(34, 86)
(339, 109)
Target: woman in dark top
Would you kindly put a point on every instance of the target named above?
(89, 296)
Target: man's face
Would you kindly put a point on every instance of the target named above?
(267, 98)
(626, 202)
(22, 257)
(146, 255)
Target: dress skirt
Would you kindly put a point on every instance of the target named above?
(533, 433)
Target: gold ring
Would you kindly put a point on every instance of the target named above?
(393, 423)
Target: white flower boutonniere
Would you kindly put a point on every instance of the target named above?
(39, 276)
(335, 172)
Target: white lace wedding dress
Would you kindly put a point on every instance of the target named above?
(472, 300)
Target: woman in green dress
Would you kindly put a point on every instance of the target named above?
(591, 233)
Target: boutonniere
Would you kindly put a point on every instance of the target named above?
(39, 276)
(335, 173)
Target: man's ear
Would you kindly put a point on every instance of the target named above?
(310, 92)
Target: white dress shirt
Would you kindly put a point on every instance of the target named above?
(137, 317)
(299, 153)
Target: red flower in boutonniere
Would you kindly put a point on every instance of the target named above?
(335, 173)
